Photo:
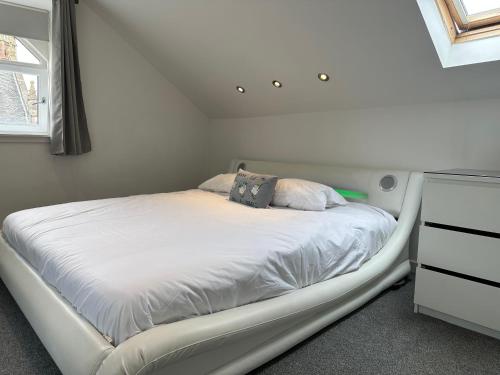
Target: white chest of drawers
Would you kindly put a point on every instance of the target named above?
(458, 272)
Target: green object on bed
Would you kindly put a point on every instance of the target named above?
(351, 194)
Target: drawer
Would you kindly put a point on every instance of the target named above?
(466, 204)
(465, 253)
(463, 299)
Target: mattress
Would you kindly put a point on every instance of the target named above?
(128, 264)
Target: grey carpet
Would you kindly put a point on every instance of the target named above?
(21, 352)
(387, 337)
(383, 337)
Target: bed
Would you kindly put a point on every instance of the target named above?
(106, 314)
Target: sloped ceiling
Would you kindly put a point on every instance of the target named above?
(378, 53)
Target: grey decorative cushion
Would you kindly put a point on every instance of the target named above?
(254, 190)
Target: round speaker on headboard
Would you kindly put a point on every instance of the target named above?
(241, 166)
(388, 183)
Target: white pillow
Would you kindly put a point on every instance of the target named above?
(222, 183)
(305, 195)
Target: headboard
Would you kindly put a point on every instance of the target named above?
(386, 188)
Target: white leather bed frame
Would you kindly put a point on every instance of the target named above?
(232, 341)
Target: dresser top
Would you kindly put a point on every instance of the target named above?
(467, 172)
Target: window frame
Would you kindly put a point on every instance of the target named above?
(42, 72)
(476, 20)
(462, 27)
(456, 54)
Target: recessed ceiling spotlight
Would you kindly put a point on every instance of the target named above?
(240, 89)
(323, 77)
(277, 84)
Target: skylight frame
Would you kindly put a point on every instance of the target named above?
(450, 53)
(463, 27)
(482, 6)
(473, 21)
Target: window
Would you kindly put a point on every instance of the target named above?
(473, 7)
(23, 86)
(468, 20)
(464, 32)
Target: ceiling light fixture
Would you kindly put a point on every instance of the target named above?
(240, 89)
(277, 84)
(323, 77)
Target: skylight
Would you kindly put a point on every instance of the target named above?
(473, 7)
(463, 31)
(468, 20)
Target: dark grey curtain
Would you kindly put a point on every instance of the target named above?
(69, 132)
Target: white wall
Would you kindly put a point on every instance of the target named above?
(427, 137)
(146, 136)
(449, 135)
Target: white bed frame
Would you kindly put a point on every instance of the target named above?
(237, 340)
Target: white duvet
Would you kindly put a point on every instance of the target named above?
(128, 264)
